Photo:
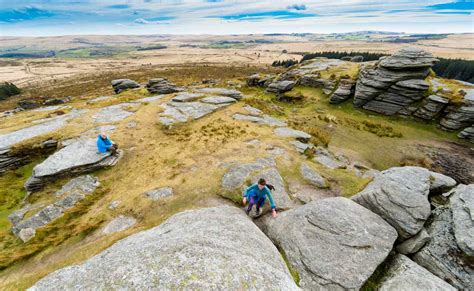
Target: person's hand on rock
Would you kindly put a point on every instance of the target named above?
(274, 213)
(244, 201)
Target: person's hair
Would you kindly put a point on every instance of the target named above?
(262, 181)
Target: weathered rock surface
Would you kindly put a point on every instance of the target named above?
(120, 223)
(404, 274)
(256, 80)
(99, 99)
(458, 117)
(263, 120)
(237, 174)
(293, 133)
(280, 195)
(161, 86)
(236, 94)
(183, 111)
(281, 86)
(333, 243)
(80, 156)
(301, 146)
(413, 244)
(467, 133)
(313, 177)
(113, 113)
(159, 193)
(252, 110)
(432, 107)
(400, 196)
(344, 91)
(218, 100)
(187, 97)
(177, 255)
(74, 191)
(441, 255)
(121, 85)
(462, 204)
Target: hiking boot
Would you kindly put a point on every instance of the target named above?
(247, 211)
(259, 211)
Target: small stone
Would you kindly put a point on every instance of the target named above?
(119, 223)
(114, 204)
(26, 234)
(413, 244)
(159, 193)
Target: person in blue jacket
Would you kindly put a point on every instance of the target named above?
(257, 195)
(104, 144)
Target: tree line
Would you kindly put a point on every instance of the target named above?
(458, 69)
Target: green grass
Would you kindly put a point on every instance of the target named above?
(294, 273)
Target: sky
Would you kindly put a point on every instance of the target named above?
(82, 17)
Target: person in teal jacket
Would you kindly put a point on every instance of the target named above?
(257, 195)
(104, 144)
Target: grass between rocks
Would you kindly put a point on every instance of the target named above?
(294, 273)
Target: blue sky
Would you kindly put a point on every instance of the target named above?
(56, 17)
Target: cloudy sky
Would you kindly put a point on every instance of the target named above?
(61, 17)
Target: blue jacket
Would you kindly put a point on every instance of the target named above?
(103, 144)
(254, 191)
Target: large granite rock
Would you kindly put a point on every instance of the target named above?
(462, 204)
(432, 107)
(467, 133)
(161, 86)
(400, 196)
(121, 85)
(404, 274)
(187, 97)
(344, 91)
(236, 94)
(70, 194)
(332, 243)
(442, 256)
(257, 80)
(312, 177)
(280, 195)
(237, 174)
(205, 249)
(113, 113)
(80, 156)
(395, 82)
(218, 100)
(281, 86)
(176, 112)
(458, 117)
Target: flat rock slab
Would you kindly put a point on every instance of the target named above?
(150, 99)
(187, 97)
(333, 243)
(71, 193)
(99, 99)
(462, 204)
(120, 223)
(404, 274)
(263, 120)
(236, 175)
(47, 126)
(280, 195)
(205, 249)
(441, 255)
(312, 177)
(218, 100)
(183, 111)
(252, 110)
(329, 162)
(221, 91)
(400, 196)
(113, 113)
(293, 133)
(157, 194)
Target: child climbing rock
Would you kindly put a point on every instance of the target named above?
(257, 194)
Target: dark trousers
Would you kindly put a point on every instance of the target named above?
(256, 201)
(113, 149)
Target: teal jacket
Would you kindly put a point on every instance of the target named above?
(253, 191)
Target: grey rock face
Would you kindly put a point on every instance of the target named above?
(256, 80)
(71, 193)
(458, 117)
(113, 113)
(236, 94)
(176, 112)
(441, 255)
(120, 223)
(333, 243)
(293, 133)
(280, 195)
(312, 80)
(344, 91)
(218, 100)
(432, 107)
(149, 99)
(281, 86)
(236, 175)
(205, 249)
(187, 97)
(252, 110)
(300, 146)
(462, 204)
(467, 133)
(409, 58)
(404, 274)
(263, 120)
(313, 177)
(79, 157)
(413, 244)
(329, 162)
(161, 86)
(400, 196)
(121, 85)
(159, 193)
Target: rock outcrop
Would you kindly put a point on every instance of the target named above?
(71, 193)
(256, 80)
(280, 195)
(176, 112)
(80, 156)
(312, 177)
(121, 85)
(467, 133)
(400, 196)
(114, 113)
(205, 249)
(236, 175)
(236, 94)
(344, 91)
(462, 205)
(292, 133)
(395, 82)
(281, 86)
(161, 86)
(404, 274)
(458, 117)
(332, 243)
(432, 107)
